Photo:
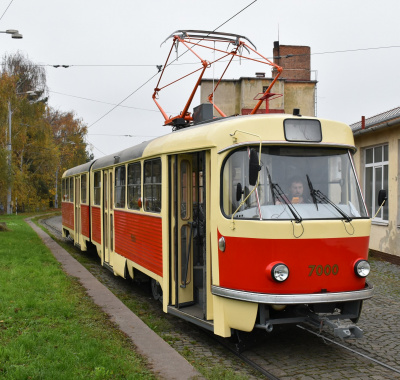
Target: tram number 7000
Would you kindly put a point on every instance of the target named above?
(326, 270)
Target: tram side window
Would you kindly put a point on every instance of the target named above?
(152, 185)
(71, 189)
(63, 181)
(97, 188)
(66, 198)
(83, 188)
(119, 192)
(134, 186)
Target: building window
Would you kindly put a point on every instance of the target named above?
(120, 187)
(376, 178)
(134, 186)
(152, 185)
(97, 188)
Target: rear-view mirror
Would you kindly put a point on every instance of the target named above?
(254, 167)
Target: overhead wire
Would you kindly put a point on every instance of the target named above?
(127, 97)
(112, 109)
(153, 76)
(95, 147)
(102, 102)
(222, 61)
(106, 134)
(6, 10)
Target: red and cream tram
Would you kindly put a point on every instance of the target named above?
(206, 213)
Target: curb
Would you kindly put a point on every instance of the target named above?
(164, 361)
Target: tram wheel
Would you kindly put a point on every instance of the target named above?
(156, 290)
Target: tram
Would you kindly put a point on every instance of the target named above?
(206, 214)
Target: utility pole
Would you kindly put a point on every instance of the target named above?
(9, 150)
(14, 34)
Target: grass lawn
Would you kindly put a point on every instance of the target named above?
(49, 327)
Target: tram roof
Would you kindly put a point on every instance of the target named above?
(78, 169)
(218, 133)
(125, 155)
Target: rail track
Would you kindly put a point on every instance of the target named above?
(288, 352)
(354, 351)
(268, 371)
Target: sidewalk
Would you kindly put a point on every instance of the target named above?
(165, 362)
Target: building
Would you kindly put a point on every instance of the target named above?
(377, 162)
(294, 88)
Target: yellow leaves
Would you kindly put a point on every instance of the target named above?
(44, 141)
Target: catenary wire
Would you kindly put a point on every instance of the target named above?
(127, 97)
(99, 101)
(106, 134)
(196, 63)
(112, 109)
(95, 147)
(6, 9)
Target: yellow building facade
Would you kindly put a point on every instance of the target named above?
(239, 96)
(293, 89)
(377, 162)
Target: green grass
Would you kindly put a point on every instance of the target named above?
(139, 301)
(49, 327)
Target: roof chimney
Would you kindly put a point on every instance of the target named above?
(362, 122)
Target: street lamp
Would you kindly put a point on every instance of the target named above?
(14, 33)
(9, 149)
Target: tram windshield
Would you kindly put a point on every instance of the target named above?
(295, 183)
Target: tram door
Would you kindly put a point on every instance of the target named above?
(77, 205)
(189, 231)
(108, 216)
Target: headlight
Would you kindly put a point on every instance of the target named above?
(362, 268)
(280, 272)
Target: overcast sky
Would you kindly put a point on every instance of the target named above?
(96, 38)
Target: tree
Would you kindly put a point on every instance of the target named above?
(69, 137)
(44, 141)
(29, 76)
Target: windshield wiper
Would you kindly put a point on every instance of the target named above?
(271, 185)
(314, 198)
(277, 193)
(317, 194)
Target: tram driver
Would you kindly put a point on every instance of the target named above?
(296, 192)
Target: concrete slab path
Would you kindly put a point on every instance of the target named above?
(165, 362)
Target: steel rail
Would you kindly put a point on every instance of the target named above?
(248, 361)
(351, 350)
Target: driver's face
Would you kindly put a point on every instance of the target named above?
(296, 189)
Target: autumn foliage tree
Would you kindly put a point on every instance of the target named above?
(44, 141)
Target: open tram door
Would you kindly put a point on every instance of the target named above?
(189, 263)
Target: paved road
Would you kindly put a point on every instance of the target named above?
(289, 352)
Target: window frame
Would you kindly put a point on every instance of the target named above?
(227, 193)
(71, 189)
(97, 189)
(84, 198)
(121, 186)
(63, 189)
(371, 200)
(134, 185)
(152, 186)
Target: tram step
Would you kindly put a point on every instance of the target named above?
(200, 296)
